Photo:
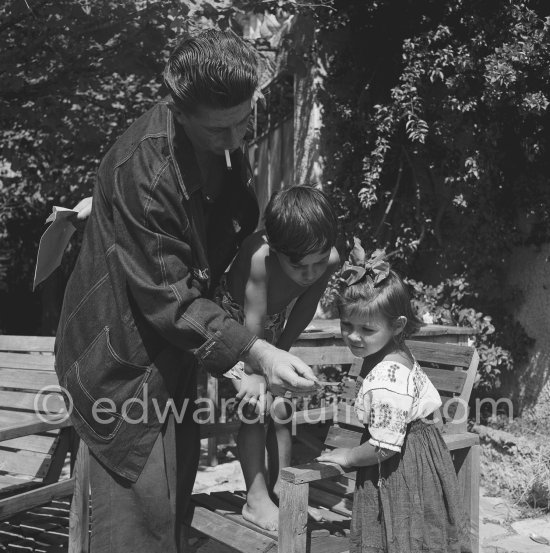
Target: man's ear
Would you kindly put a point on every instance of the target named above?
(399, 325)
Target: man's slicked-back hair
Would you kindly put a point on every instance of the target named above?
(215, 69)
(299, 220)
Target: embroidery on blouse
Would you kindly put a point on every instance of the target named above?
(419, 380)
(384, 373)
(385, 415)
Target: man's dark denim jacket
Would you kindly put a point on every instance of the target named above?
(135, 313)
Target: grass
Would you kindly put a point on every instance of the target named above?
(515, 462)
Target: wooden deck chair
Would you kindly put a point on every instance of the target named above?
(33, 446)
(452, 369)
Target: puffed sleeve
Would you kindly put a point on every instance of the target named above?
(384, 404)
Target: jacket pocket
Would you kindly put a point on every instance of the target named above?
(103, 387)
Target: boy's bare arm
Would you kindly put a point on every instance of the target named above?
(255, 295)
(305, 306)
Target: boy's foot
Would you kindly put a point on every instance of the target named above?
(265, 515)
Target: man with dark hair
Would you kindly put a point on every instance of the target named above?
(136, 325)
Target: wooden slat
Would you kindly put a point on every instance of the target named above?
(342, 486)
(24, 462)
(434, 352)
(460, 441)
(13, 418)
(312, 472)
(29, 400)
(36, 443)
(26, 343)
(229, 511)
(445, 354)
(314, 416)
(79, 515)
(230, 533)
(325, 355)
(26, 361)
(443, 380)
(346, 415)
(27, 380)
(32, 425)
(11, 483)
(30, 499)
(342, 437)
(334, 502)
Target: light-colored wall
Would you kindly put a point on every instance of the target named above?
(308, 165)
(530, 272)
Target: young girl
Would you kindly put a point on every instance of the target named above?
(406, 498)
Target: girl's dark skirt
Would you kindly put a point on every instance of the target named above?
(418, 506)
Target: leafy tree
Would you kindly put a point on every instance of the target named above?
(438, 146)
(74, 75)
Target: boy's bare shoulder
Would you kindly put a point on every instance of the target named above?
(257, 251)
(254, 242)
(334, 259)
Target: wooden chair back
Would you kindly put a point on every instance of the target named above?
(452, 370)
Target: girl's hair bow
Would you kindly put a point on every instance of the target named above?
(376, 268)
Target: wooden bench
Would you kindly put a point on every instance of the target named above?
(33, 443)
(26, 366)
(452, 369)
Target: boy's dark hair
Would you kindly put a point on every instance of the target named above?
(299, 220)
(216, 69)
(390, 298)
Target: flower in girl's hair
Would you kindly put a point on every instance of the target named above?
(376, 268)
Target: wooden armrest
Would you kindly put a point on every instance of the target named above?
(459, 441)
(316, 415)
(311, 472)
(31, 427)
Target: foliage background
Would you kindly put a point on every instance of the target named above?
(435, 135)
(438, 150)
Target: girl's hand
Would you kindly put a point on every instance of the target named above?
(340, 456)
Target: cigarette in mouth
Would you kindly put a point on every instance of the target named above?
(227, 159)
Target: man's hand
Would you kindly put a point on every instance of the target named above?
(284, 371)
(340, 456)
(84, 208)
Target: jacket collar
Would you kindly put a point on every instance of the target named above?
(193, 184)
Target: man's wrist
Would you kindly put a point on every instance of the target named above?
(253, 356)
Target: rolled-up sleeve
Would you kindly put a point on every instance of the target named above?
(153, 244)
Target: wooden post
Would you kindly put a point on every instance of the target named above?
(293, 517)
(212, 395)
(467, 461)
(79, 517)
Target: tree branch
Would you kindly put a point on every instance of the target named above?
(390, 203)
